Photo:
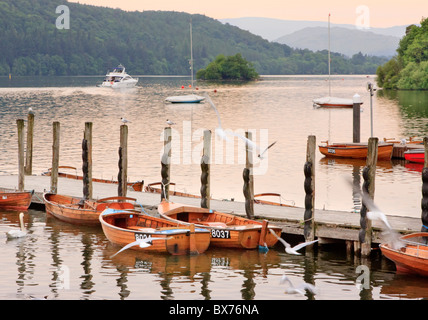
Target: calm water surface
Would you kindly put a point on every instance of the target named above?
(275, 109)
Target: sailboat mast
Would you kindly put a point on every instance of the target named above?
(191, 53)
(329, 60)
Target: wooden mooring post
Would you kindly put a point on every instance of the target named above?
(369, 173)
(122, 176)
(20, 125)
(55, 156)
(205, 168)
(29, 147)
(87, 161)
(247, 174)
(309, 185)
(424, 201)
(166, 163)
(356, 117)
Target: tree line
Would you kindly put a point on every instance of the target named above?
(149, 42)
(408, 70)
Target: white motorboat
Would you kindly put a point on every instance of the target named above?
(189, 98)
(118, 78)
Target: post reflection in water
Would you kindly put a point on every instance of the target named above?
(63, 261)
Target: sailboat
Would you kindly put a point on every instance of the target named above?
(189, 98)
(329, 101)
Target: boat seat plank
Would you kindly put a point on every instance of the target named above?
(214, 224)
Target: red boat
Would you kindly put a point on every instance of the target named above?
(415, 155)
(15, 200)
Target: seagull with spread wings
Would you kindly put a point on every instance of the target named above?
(288, 248)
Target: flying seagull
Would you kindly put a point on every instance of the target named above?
(143, 243)
(262, 153)
(288, 248)
(392, 238)
(223, 134)
(299, 289)
(219, 130)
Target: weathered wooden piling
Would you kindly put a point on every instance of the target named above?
(205, 168)
(356, 118)
(122, 176)
(55, 156)
(369, 173)
(424, 201)
(247, 175)
(165, 163)
(20, 125)
(309, 186)
(87, 161)
(85, 178)
(29, 147)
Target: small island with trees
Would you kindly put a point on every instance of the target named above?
(409, 69)
(228, 68)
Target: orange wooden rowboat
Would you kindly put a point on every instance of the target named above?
(355, 150)
(136, 186)
(123, 227)
(413, 257)
(155, 187)
(272, 203)
(227, 230)
(82, 212)
(15, 200)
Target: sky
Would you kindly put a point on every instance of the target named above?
(374, 13)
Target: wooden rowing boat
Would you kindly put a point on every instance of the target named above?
(123, 227)
(136, 186)
(413, 257)
(15, 200)
(155, 187)
(227, 230)
(355, 150)
(272, 203)
(82, 212)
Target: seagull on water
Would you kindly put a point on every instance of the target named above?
(143, 243)
(18, 233)
(288, 248)
(299, 289)
(169, 122)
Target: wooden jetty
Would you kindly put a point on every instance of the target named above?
(354, 229)
(330, 225)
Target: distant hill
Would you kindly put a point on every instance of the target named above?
(149, 42)
(343, 40)
(272, 29)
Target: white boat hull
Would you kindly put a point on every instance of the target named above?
(118, 85)
(190, 98)
(333, 102)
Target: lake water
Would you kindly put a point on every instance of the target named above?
(274, 109)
